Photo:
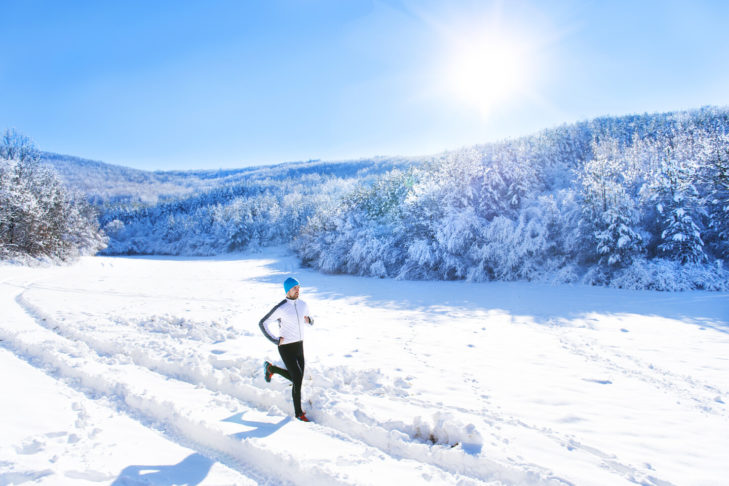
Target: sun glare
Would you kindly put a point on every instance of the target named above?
(485, 71)
(488, 57)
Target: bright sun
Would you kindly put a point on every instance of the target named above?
(485, 71)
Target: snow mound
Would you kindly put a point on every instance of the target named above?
(444, 429)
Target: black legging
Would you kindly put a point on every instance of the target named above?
(293, 357)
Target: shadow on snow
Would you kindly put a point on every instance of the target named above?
(544, 303)
(194, 468)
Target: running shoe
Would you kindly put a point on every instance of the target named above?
(267, 373)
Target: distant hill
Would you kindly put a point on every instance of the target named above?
(106, 184)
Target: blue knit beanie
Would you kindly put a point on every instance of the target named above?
(290, 283)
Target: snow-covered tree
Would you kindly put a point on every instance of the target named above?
(678, 203)
(38, 215)
(609, 216)
(717, 179)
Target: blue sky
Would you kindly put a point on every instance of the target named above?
(212, 84)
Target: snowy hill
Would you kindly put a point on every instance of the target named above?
(631, 202)
(107, 184)
(639, 201)
(102, 182)
(147, 370)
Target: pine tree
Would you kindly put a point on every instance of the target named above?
(617, 242)
(609, 217)
(679, 204)
(718, 197)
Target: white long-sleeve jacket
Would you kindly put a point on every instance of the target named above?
(289, 314)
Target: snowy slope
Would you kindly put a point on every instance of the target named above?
(103, 183)
(148, 371)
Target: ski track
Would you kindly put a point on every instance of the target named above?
(71, 362)
(234, 380)
(64, 358)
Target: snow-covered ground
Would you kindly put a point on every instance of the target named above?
(131, 371)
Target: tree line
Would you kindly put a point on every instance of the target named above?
(639, 201)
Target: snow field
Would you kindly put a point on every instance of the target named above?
(98, 367)
(428, 383)
(148, 402)
(141, 392)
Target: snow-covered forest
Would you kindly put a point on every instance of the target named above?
(634, 202)
(39, 216)
(108, 185)
(269, 206)
(639, 201)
